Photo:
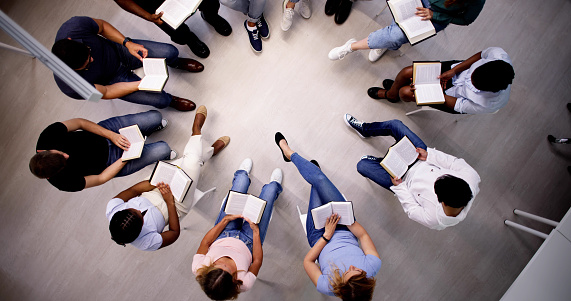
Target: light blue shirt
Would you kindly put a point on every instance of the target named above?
(471, 100)
(341, 252)
(150, 238)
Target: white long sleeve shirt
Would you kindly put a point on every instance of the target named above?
(416, 192)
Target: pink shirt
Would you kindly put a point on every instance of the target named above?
(237, 251)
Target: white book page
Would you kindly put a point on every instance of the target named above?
(393, 163)
(154, 66)
(253, 208)
(163, 173)
(178, 184)
(152, 82)
(320, 215)
(133, 134)
(345, 211)
(426, 73)
(416, 26)
(174, 12)
(406, 150)
(429, 94)
(404, 9)
(236, 203)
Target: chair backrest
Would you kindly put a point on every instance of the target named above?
(303, 219)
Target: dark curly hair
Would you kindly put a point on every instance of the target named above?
(72, 53)
(125, 226)
(452, 191)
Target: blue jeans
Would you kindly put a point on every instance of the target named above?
(395, 128)
(322, 192)
(239, 228)
(152, 152)
(252, 8)
(124, 73)
(392, 37)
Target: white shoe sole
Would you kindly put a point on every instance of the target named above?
(349, 125)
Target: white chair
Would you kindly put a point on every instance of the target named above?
(533, 217)
(303, 219)
(422, 108)
(199, 195)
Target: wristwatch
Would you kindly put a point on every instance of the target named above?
(127, 39)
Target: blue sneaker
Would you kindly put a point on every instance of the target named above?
(355, 124)
(263, 27)
(255, 41)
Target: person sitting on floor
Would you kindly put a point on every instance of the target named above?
(478, 85)
(437, 191)
(230, 255)
(439, 12)
(288, 7)
(104, 57)
(77, 153)
(255, 24)
(345, 269)
(182, 35)
(139, 214)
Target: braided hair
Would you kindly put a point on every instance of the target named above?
(125, 226)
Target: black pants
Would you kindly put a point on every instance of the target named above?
(447, 65)
(182, 35)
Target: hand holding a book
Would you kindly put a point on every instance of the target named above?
(166, 192)
(331, 224)
(253, 225)
(121, 141)
(422, 153)
(445, 77)
(231, 217)
(424, 13)
(156, 18)
(135, 48)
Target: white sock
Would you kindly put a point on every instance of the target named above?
(251, 28)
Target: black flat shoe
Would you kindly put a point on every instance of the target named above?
(279, 137)
(198, 47)
(220, 24)
(331, 7)
(343, 12)
(388, 83)
(315, 163)
(373, 92)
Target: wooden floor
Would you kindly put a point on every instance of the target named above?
(56, 245)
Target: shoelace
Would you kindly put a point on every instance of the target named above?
(254, 34)
(355, 122)
(289, 13)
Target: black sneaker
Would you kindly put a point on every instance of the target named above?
(372, 158)
(254, 37)
(263, 27)
(355, 124)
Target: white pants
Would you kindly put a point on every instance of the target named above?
(195, 154)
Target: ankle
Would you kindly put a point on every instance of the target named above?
(290, 5)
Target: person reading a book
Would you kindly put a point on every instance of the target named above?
(77, 153)
(230, 255)
(439, 12)
(155, 207)
(147, 9)
(104, 57)
(437, 189)
(345, 270)
(255, 24)
(481, 84)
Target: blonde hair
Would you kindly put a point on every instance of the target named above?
(358, 287)
(218, 284)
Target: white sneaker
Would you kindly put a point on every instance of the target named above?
(305, 9)
(246, 165)
(173, 155)
(277, 176)
(375, 54)
(338, 53)
(287, 17)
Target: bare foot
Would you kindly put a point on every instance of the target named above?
(286, 149)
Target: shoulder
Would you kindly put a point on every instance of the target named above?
(77, 27)
(113, 206)
(247, 281)
(50, 135)
(65, 89)
(496, 53)
(323, 285)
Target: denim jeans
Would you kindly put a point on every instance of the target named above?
(252, 8)
(239, 228)
(395, 128)
(124, 73)
(152, 152)
(322, 192)
(392, 37)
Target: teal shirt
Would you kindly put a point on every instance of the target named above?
(459, 14)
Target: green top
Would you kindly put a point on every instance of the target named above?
(459, 14)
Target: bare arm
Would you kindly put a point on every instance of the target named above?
(311, 268)
(213, 233)
(257, 252)
(86, 125)
(444, 77)
(135, 9)
(111, 33)
(107, 174)
(173, 233)
(118, 89)
(366, 242)
(135, 190)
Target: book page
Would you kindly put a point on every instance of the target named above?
(235, 203)
(345, 211)
(416, 26)
(254, 208)
(163, 173)
(429, 94)
(179, 183)
(154, 66)
(406, 150)
(135, 137)
(404, 9)
(426, 73)
(393, 164)
(320, 215)
(174, 12)
(153, 82)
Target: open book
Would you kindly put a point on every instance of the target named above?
(399, 158)
(173, 175)
(175, 12)
(156, 75)
(415, 29)
(245, 204)
(425, 80)
(135, 137)
(343, 209)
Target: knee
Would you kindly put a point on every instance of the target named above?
(171, 52)
(407, 71)
(161, 150)
(363, 167)
(163, 101)
(395, 123)
(154, 117)
(406, 94)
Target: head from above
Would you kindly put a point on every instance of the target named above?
(352, 285)
(125, 225)
(493, 76)
(217, 283)
(75, 54)
(46, 164)
(452, 191)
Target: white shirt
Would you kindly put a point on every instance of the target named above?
(416, 192)
(150, 238)
(471, 100)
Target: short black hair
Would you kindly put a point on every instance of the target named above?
(452, 191)
(125, 226)
(493, 76)
(47, 164)
(71, 52)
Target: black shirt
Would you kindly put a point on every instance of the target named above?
(87, 152)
